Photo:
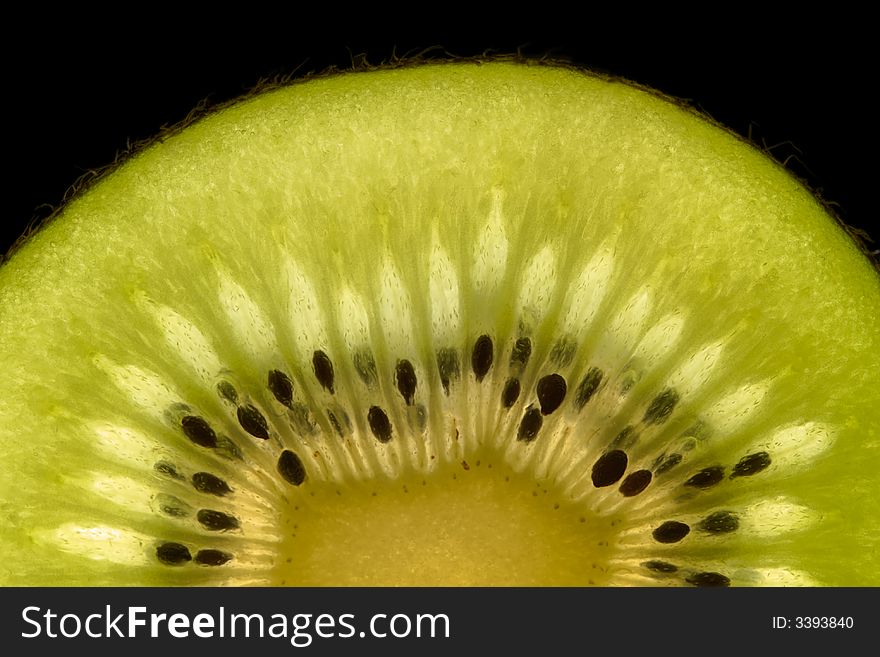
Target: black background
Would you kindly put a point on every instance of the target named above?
(76, 99)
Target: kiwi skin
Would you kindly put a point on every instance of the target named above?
(199, 241)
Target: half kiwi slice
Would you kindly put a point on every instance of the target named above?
(459, 323)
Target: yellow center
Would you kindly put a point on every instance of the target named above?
(475, 524)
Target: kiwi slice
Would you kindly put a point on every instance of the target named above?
(447, 324)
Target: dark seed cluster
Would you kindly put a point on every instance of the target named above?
(671, 531)
(217, 521)
(323, 370)
(405, 377)
(530, 425)
(291, 468)
(197, 430)
(482, 356)
(211, 557)
(708, 579)
(177, 554)
(713, 475)
(609, 468)
(751, 465)
(379, 423)
(664, 568)
(173, 554)
(205, 482)
(635, 483)
(510, 393)
(550, 393)
(706, 478)
(281, 387)
(252, 421)
(720, 522)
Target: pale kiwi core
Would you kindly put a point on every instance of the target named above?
(455, 528)
(467, 324)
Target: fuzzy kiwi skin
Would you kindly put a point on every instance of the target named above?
(305, 172)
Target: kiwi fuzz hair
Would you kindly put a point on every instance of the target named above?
(476, 322)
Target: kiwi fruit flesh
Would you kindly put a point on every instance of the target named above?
(465, 323)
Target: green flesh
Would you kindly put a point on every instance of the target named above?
(397, 215)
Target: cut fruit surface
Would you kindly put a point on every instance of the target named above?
(468, 524)
(451, 324)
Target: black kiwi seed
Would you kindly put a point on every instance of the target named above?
(510, 393)
(205, 482)
(379, 423)
(173, 554)
(405, 376)
(198, 431)
(252, 421)
(210, 557)
(481, 357)
(720, 522)
(217, 521)
(551, 391)
(706, 478)
(530, 425)
(661, 407)
(291, 468)
(448, 367)
(281, 387)
(323, 368)
(660, 566)
(708, 579)
(635, 483)
(227, 391)
(588, 387)
(521, 352)
(609, 468)
(751, 464)
(671, 531)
